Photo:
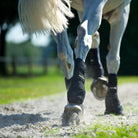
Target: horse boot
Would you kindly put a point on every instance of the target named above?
(67, 83)
(112, 102)
(73, 111)
(99, 85)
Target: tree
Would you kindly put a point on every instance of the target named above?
(8, 17)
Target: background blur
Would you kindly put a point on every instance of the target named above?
(30, 55)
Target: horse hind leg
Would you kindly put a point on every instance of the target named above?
(88, 26)
(99, 84)
(118, 22)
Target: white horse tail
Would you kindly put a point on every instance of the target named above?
(40, 16)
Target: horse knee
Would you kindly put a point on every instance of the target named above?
(82, 32)
(82, 29)
(84, 41)
(62, 56)
(113, 63)
(66, 63)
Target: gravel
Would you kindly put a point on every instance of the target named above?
(41, 117)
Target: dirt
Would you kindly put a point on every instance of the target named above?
(42, 117)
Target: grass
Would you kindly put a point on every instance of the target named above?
(97, 130)
(121, 80)
(110, 131)
(21, 88)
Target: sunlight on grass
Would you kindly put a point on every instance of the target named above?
(121, 80)
(21, 88)
(110, 131)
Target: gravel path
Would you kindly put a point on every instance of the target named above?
(41, 117)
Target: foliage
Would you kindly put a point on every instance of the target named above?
(8, 12)
(28, 50)
(25, 49)
(8, 17)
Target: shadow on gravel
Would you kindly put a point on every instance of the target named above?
(20, 119)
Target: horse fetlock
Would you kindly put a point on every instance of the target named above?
(72, 114)
(112, 102)
(99, 88)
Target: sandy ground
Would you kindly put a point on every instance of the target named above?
(42, 117)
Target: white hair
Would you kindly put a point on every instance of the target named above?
(40, 16)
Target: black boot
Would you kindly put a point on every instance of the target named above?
(67, 83)
(99, 84)
(95, 62)
(76, 91)
(112, 102)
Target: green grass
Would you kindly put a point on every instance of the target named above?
(21, 88)
(121, 80)
(110, 131)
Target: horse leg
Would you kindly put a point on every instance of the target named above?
(65, 56)
(99, 84)
(90, 23)
(118, 22)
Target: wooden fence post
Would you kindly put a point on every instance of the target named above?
(30, 67)
(44, 63)
(13, 63)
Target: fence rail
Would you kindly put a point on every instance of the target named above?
(29, 63)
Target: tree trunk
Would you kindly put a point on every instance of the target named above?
(3, 52)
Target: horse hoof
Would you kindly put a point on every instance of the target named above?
(112, 103)
(99, 88)
(72, 115)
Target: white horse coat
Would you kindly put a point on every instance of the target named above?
(44, 15)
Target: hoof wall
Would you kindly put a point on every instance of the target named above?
(72, 115)
(99, 88)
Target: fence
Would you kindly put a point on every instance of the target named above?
(28, 65)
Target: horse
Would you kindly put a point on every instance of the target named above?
(52, 15)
